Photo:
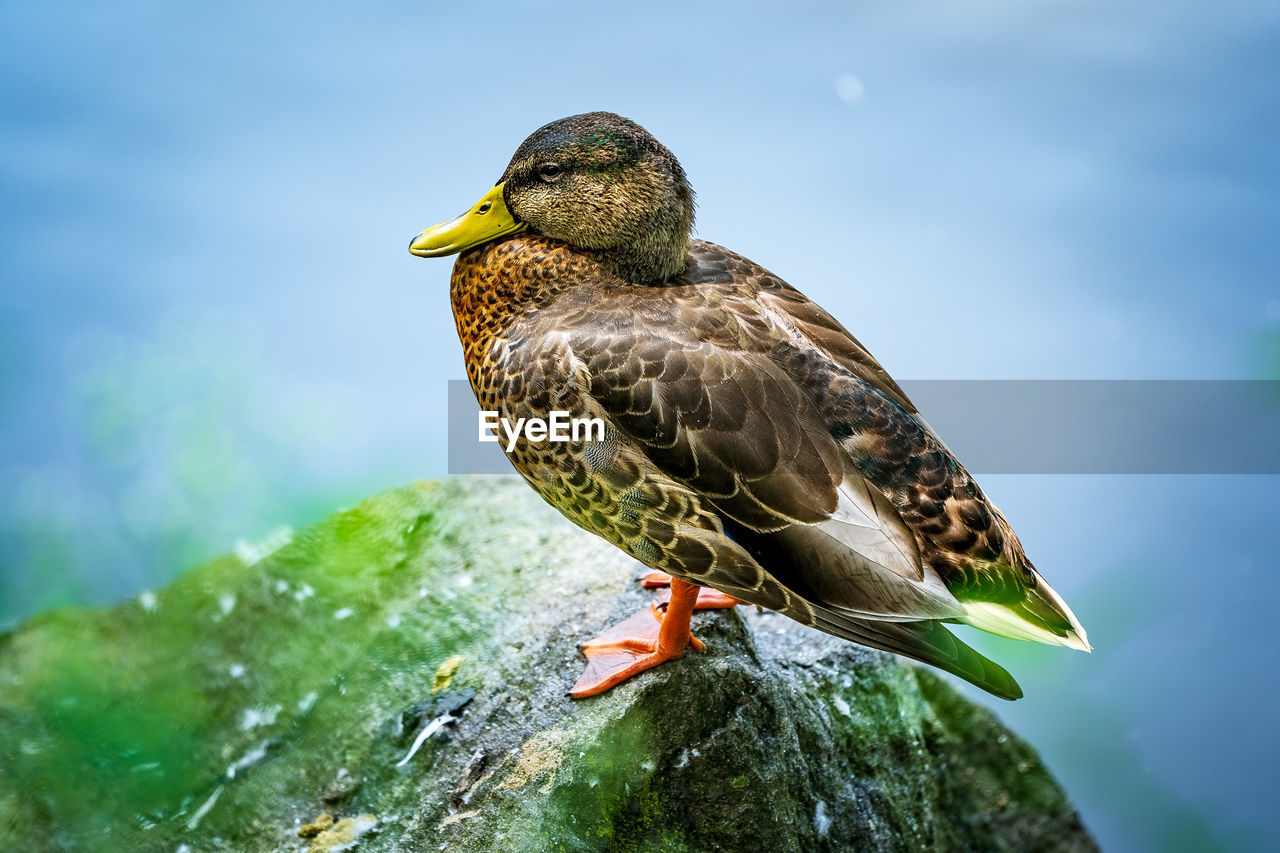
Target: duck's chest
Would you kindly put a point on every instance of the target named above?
(555, 434)
(511, 304)
(516, 366)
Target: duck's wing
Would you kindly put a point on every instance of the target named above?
(736, 430)
(974, 547)
(718, 424)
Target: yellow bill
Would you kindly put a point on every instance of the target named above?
(487, 219)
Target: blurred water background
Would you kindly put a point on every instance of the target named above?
(210, 326)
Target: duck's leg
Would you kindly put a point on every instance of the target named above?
(647, 639)
(708, 598)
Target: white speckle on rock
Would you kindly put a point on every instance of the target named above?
(204, 809)
(305, 703)
(343, 613)
(821, 822)
(465, 581)
(237, 670)
(262, 715)
(252, 552)
(147, 599)
(393, 621)
(841, 705)
(427, 731)
(226, 603)
(250, 758)
(304, 592)
(282, 587)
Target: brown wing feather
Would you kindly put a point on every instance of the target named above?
(737, 431)
(730, 425)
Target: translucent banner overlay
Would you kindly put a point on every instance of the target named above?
(1043, 426)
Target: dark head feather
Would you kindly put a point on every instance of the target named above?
(602, 183)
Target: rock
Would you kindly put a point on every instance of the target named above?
(401, 668)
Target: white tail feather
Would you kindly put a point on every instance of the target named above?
(1007, 622)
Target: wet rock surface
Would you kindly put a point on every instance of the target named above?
(394, 679)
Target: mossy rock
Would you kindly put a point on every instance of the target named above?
(259, 691)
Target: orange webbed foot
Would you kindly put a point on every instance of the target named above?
(647, 639)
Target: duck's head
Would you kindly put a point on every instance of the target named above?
(597, 181)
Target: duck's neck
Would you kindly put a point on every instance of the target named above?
(656, 249)
(652, 262)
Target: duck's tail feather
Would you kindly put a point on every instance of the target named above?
(1041, 617)
(926, 641)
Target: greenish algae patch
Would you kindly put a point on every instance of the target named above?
(127, 721)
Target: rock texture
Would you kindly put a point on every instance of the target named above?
(272, 700)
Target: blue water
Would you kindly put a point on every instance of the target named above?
(209, 324)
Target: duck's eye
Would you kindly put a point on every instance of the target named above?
(549, 171)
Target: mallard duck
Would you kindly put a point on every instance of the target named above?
(754, 451)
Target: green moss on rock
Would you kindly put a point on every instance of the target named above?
(260, 690)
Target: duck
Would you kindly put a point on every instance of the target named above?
(753, 451)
